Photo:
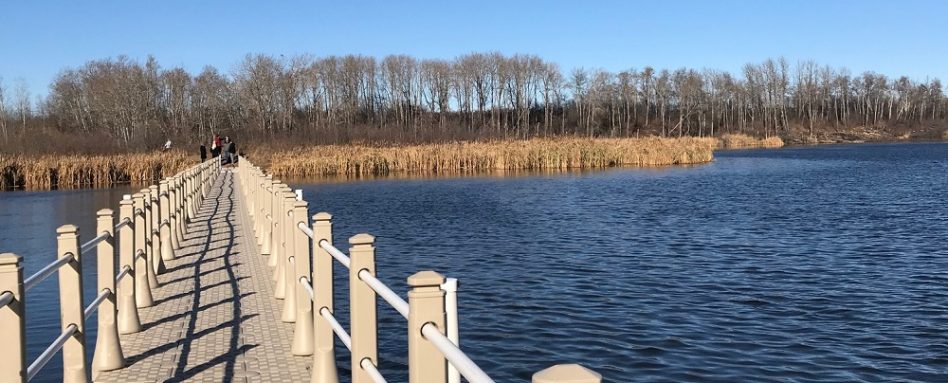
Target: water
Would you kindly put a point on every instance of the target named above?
(821, 264)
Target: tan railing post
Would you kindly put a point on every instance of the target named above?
(567, 373)
(324, 356)
(178, 206)
(303, 330)
(143, 297)
(425, 305)
(156, 243)
(289, 269)
(362, 307)
(108, 352)
(149, 245)
(128, 321)
(276, 240)
(12, 321)
(266, 224)
(164, 228)
(172, 215)
(72, 305)
(188, 195)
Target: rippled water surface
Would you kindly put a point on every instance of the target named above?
(820, 264)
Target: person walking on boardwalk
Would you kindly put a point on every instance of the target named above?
(226, 152)
(232, 150)
(216, 145)
(203, 150)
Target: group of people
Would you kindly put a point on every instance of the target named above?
(226, 149)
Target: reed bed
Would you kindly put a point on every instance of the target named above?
(465, 157)
(79, 171)
(739, 141)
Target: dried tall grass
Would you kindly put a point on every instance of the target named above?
(535, 154)
(738, 141)
(77, 171)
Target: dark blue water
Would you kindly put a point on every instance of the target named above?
(820, 264)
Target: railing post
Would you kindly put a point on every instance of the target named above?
(324, 356)
(276, 240)
(108, 352)
(149, 245)
(303, 329)
(72, 305)
(164, 228)
(143, 297)
(172, 214)
(177, 205)
(425, 305)
(289, 269)
(128, 321)
(363, 309)
(265, 221)
(156, 243)
(12, 321)
(567, 373)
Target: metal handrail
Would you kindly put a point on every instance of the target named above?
(105, 293)
(95, 241)
(386, 293)
(50, 351)
(125, 222)
(6, 298)
(332, 250)
(45, 272)
(458, 358)
(336, 327)
(139, 211)
(306, 285)
(140, 252)
(373, 372)
(125, 271)
(306, 230)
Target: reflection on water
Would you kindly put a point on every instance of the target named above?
(821, 264)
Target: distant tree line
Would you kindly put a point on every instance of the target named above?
(480, 95)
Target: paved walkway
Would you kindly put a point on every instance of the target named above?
(215, 318)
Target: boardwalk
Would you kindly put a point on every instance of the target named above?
(214, 318)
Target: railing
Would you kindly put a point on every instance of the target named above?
(304, 281)
(149, 221)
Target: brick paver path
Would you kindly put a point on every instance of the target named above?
(214, 318)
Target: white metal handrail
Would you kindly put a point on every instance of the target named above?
(125, 222)
(50, 351)
(125, 270)
(306, 230)
(140, 252)
(5, 299)
(45, 272)
(373, 372)
(139, 211)
(95, 241)
(306, 286)
(386, 293)
(337, 328)
(96, 302)
(458, 358)
(332, 250)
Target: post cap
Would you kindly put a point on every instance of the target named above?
(300, 204)
(426, 278)
(322, 216)
(67, 229)
(138, 195)
(145, 190)
(126, 197)
(9, 259)
(567, 373)
(361, 239)
(104, 212)
(164, 181)
(153, 188)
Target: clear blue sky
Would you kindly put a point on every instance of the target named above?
(910, 37)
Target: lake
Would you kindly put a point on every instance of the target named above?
(815, 264)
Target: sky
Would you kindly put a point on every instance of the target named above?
(38, 39)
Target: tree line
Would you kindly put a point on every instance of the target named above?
(399, 98)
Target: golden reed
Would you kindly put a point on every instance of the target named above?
(463, 157)
(79, 171)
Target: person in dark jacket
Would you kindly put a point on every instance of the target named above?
(203, 153)
(232, 149)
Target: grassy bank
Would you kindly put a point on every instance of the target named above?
(77, 171)
(742, 141)
(536, 154)
(80, 171)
